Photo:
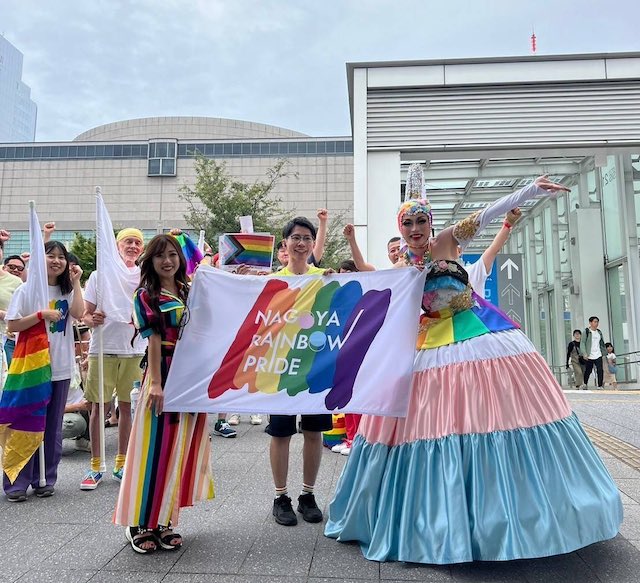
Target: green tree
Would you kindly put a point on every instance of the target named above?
(85, 249)
(336, 248)
(216, 200)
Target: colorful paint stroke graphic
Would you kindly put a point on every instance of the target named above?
(192, 254)
(254, 249)
(311, 338)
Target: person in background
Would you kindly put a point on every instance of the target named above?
(592, 348)
(611, 367)
(575, 360)
(121, 361)
(393, 249)
(17, 266)
(9, 283)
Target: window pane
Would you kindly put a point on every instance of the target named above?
(227, 149)
(168, 167)
(171, 148)
(340, 147)
(161, 150)
(312, 148)
(154, 167)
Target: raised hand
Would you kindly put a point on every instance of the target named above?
(323, 215)
(4, 235)
(513, 216)
(553, 187)
(349, 232)
(75, 271)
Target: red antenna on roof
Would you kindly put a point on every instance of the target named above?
(533, 41)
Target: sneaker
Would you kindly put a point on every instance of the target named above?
(345, 451)
(91, 480)
(338, 448)
(308, 508)
(82, 444)
(223, 429)
(283, 511)
(234, 419)
(44, 491)
(117, 474)
(21, 496)
(255, 419)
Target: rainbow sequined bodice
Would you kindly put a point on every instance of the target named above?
(446, 290)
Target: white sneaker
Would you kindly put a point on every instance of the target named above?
(345, 451)
(255, 419)
(338, 448)
(234, 419)
(82, 444)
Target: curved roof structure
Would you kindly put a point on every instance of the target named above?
(184, 128)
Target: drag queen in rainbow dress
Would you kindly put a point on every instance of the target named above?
(490, 463)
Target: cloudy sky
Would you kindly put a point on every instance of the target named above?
(280, 62)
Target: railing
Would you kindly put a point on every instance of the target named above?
(624, 375)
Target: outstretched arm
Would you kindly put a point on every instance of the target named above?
(489, 255)
(318, 248)
(465, 230)
(350, 235)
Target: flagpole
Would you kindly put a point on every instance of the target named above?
(42, 482)
(201, 241)
(103, 457)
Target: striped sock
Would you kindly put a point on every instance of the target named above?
(281, 491)
(306, 489)
(119, 463)
(95, 464)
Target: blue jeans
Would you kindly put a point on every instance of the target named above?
(9, 347)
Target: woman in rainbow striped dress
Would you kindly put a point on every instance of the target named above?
(168, 459)
(490, 463)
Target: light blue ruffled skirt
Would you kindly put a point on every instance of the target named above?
(498, 496)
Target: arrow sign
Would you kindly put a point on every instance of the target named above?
(510, 266)
(510, 291)
(514, 316)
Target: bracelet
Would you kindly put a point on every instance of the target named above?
(507, 225)
(39, 314)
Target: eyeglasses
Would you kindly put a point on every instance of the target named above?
(14, 267)
(298, 238)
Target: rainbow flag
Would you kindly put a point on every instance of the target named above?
(192, 254)
(252, 249)
(27, 390)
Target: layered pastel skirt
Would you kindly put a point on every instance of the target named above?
(490, 463)
(168, 467)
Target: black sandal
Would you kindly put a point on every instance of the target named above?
(137, 536)
(164, 535)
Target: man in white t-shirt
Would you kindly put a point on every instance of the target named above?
(593, 349)
(480, 270)
(121, 362)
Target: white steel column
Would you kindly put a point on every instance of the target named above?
(633, 260)
(383, 179)
(359, 122)
(533, 328)
(559, 354)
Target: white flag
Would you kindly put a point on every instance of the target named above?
(37, 290)
(116, 282)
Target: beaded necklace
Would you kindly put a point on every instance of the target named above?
(411, 258)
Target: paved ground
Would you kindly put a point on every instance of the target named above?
(233, 539)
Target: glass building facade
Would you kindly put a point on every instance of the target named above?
(17, 110)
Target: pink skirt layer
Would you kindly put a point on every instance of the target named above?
(481, 396)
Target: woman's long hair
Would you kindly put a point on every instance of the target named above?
(64, 279)
(150, 280)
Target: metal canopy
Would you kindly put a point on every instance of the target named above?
(457, 188)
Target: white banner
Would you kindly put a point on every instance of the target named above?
(291, 345)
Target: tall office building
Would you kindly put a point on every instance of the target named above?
(17, 111)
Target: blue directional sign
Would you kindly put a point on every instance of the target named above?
(491, 286)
